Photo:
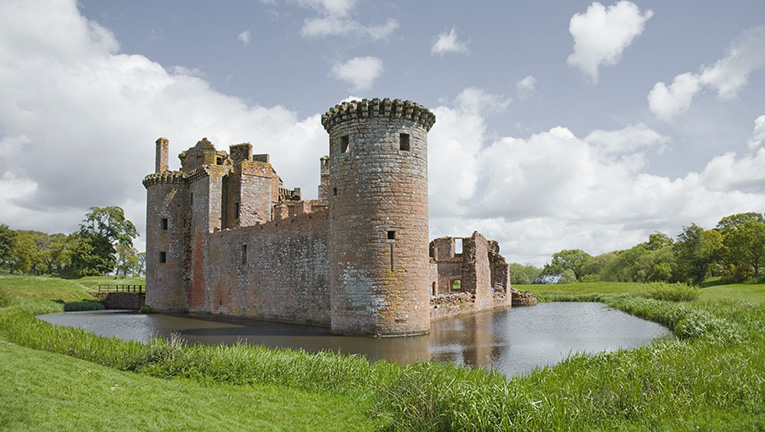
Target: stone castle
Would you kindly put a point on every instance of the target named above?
(224, 236)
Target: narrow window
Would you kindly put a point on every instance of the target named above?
(164, 224)
(403, 141)
(458, 246)
(219, 161)
(163, 257)
(391, 235)
(456, 285)
(345, 144)
(244, 254)
(236, 210)
(191, 200)
(335, 191)
(434, 288)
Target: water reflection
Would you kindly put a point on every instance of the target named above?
(513, 341)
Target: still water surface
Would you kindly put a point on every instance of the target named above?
(513, 341)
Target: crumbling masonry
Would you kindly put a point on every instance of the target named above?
(225, 237)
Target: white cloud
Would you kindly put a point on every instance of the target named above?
(244, 37)
(601, 35)
(360, 72)
(727, 76)
(630, 139)
(554, 190)
(758, 135)
(76, 113)
(336, 19)
(448, 43)
(525, 87)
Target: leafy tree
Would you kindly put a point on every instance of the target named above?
(7, 245)
(523, 274)
(141, 263)
(94, 248)
(744, 240)
(571, 259)
(127, 260)
(696, 250)
(657, 241)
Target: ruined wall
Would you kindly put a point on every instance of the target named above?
(378, 205)
(275, 271)
(476, 271)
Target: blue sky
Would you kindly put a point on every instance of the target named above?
(569, 124)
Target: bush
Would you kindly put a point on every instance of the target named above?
(737, 274)
(676, 292)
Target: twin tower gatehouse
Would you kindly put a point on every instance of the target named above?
(224, 236)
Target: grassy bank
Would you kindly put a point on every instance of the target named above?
(711, 378)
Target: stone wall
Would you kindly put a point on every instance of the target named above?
(378, 204)
(275, 271)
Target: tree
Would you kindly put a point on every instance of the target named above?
(523, 274)
(127, 260)
(94, 248)
(7, 245)
(696, 250)
(746, 244)
(657, 241)
(571, 259)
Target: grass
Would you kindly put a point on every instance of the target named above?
(14, 287)
(710, 378)
(45, 391)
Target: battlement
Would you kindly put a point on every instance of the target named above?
(164, 177)
(366, 108)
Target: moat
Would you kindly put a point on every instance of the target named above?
(512, 341)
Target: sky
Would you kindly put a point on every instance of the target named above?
(559, 125)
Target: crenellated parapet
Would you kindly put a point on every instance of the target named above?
(365, 108)
(164, 177)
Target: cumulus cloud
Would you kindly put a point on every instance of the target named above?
(244, 37)
(554, 190)
(525, 87)
(601, 35)
(448, 43)
(726, 76)
(335, 18)
(758, 136)
(76, 112)
(360, 72)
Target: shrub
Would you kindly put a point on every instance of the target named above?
(676, 292)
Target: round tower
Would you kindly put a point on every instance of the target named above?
(378, 217)
(165, 235)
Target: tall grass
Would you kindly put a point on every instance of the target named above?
(709, 378)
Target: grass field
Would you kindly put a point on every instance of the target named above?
(709, 378)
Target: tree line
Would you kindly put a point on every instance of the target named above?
(102, 245)
(734, 250)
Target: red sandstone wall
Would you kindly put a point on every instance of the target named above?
(284, 277)
(379, 285)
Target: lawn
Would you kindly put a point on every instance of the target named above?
(708, 378)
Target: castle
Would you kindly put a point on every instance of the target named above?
(224, 236)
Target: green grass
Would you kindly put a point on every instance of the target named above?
(14, 287)
(92, 282)
(710, 378)
(741, 292)
(44, 391)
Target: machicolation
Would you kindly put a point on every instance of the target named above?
(224, 236)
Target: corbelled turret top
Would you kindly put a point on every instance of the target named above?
(365, 108)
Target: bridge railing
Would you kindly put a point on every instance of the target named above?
(122, 288)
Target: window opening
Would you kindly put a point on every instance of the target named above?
(345, 144)
(391, 235)
(456, 285)
(236, 210)
(191, 200)
(403, 141)
(163, 257)
(434, 288)
(458, 246)
(219, 161)
(244, 254)
(164, 224)
(335, 191)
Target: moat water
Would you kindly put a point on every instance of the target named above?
(512, 341)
